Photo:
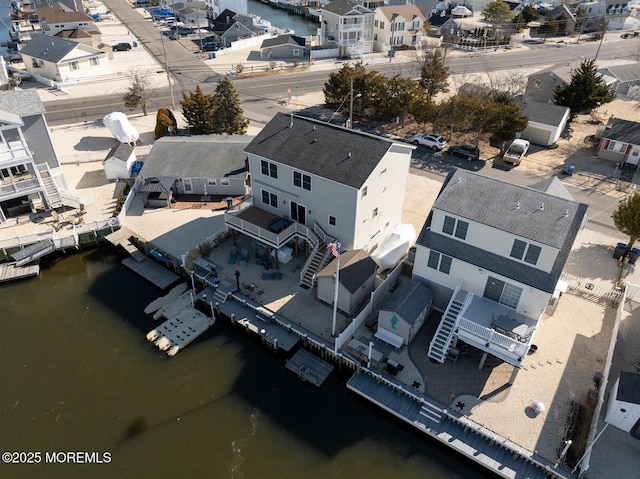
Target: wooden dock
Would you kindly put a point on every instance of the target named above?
(177, 332)
(11, 271)
(152, 272)
(309, 367)
(33, 252)
(502, 457)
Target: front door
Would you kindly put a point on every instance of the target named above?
(186, 184)
(633, 156)
(298, 213)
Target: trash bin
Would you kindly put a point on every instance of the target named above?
(211, 55)
(569, 170)
(135, 44)
(633, 255)
(619, 251)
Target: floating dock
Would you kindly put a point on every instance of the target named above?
(177, 332)
(153, 272)
(167, 299)
(11, 271)
(309, 367)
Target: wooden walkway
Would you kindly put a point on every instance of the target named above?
(309, 367)
(500, 456)
(11, 271)
(152, 272)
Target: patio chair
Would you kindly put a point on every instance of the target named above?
(233, 255)
(244, 256)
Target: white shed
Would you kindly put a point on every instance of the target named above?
(357, 277)
(623, 410)
(404, 312)
(546, 122)
(117, 164)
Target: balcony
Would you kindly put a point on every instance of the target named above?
(10, 189)
(13, 151)
(496, 329)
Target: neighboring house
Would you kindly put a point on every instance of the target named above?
(436, 21)
(614, 13)
(191, 13)
(231, 26)
(30, 174)
(201, 165)
(325, 182)
(117, 164)
(59, 59)
(493, 252)
(284, 47)
(562, 17)
(55, 21)
(404, 312)
(398, 25)
(623, 410)
(620, 142)
(546, 122)
(453, 27)
(215, 7)
(348, 26)
(356, 281)
(623, 79)
(541, 85)
(66, 5)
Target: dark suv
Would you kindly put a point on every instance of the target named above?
(466, 151)
(121, 47)
(211, 47)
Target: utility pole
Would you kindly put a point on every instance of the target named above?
(166, 68)
(351, 104)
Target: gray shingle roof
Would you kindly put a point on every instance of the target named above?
(624, 73)
(543, 113)
(342, 7)
(210, 156)
(494, 203)
(624, 131)
(122, 152)
(629, 387)
(21, 102)
(356, 267)
(8, 117)
(283, 40)
(408, 300)
(329, 151)
(48, 48)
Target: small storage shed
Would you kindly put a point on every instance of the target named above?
(623, 410)
(357, 277)
(404, 312)
(117, 164)
(546, 122)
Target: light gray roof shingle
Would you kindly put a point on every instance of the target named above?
(329, 151)
(21, 102)
(624, 73)
(48, 48)
(624, 131)
(8, 117)
(408, 300)
(342, 7)
(629, 387)
(356, 267)
(543, 113)
(122, 152)
(207, 156)
(283, 40)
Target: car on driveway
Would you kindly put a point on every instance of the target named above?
(435, 142)
(466, 151)
(211, 47)
(121, 47)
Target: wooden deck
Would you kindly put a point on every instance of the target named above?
(309, 367)
(499, 455)
(33, 252)
(11, 271)
(152, 272)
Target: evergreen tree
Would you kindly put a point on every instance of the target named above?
(228, 116)
(138, 93)
(497, 13)
(626, 217)
(198, 110)
(434, 75)
(505, 121)
(586, 91)
(164, 121)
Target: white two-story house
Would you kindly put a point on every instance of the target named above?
(216, 7)
(61, 23)
(493, 253)
(397, 26)
(31, 178)
(320, 182)
(349, 26)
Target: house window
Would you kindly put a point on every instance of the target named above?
(454, 227)
(269, 198)
(212, 182)
(382, 25)
(269, 169)
(375, 213)
(617, 146)
(439, 262)
(501, 292)
(224, 183)
(296, 52)
(94, 61)
(364, 192)
(301, 180)
(522, 250)
(73, 66)
(332, 220)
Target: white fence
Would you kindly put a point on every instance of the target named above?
(325, 53)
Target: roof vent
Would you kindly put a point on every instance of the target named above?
(518, 206)
(314, 127)
(566, 214)
(349, 154)
(541, 206)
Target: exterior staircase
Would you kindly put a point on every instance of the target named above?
(441, 341)
(220, 296)
(429, 412)
(315, 263)
(55, 197)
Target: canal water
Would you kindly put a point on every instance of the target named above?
(78, 376)
(282, 19)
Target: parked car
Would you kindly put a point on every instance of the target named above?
(210, 47)
(435, 142)
(516, 151)
(121, 47)
(629, 34)
(185, 30)
(466, 151)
